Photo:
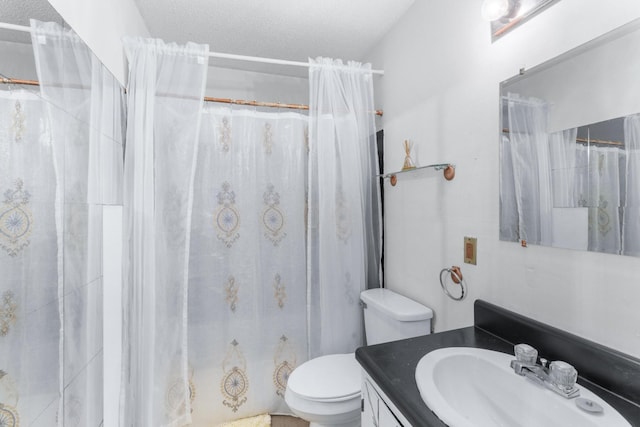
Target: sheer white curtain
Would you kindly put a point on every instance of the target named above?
(344, 235)
(247, 269)
(166, 88)
(564, 168)
(107, 118)
(84, 108)
(631, 212)
(530, 159)
(509, 222)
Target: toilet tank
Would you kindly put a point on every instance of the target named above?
(389, 316)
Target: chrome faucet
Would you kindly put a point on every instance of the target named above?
(559, 377)
(523, 368)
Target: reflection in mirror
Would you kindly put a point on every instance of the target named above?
(570, 149)
(60, 142)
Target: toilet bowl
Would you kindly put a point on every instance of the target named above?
(326, 391)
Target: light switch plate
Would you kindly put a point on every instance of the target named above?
(470, 249)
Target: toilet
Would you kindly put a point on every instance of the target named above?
(326, 390)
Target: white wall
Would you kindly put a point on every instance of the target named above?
(441, 90)
(254, 86)
(102, 24)
(19, 62)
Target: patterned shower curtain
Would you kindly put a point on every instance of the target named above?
(598, 189)
(247, 268)
(29, 316)
(220, 344)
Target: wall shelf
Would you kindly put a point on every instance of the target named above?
(447, 168)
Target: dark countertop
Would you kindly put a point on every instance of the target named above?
(392, 366)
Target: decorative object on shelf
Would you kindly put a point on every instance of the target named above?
(456, 276)
(448, 168)
(408, 163)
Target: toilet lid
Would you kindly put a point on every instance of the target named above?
(331, 377)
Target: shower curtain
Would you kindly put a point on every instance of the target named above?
(631, 211)
(344, 239)
(599, 191)
(530, 160)
(247, 269)
(166, 88)
(565, 168)
(30, 363)
(222, 300)
(509, 221)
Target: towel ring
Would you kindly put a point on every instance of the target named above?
(456, 276)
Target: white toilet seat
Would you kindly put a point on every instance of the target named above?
(326, 391)
(331, 378)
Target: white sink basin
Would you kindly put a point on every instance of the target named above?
(471, 387)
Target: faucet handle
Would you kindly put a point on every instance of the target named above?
(525, 353)
(563, 374)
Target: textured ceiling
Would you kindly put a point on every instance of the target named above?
(284, 29)
(19, 12)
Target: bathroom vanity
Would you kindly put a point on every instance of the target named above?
(377, 409)
(390, 395)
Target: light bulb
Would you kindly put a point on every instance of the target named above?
(494, 9)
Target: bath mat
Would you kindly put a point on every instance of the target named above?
(263, 420)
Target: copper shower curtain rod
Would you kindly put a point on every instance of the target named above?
(588, 141)
(206, 98)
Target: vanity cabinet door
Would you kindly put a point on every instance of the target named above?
(375, 412)
(370, 405)
(386, 417)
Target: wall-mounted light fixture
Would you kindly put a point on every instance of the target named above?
(504, 15)
(494, 9)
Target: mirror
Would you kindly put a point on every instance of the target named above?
(570, 149)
